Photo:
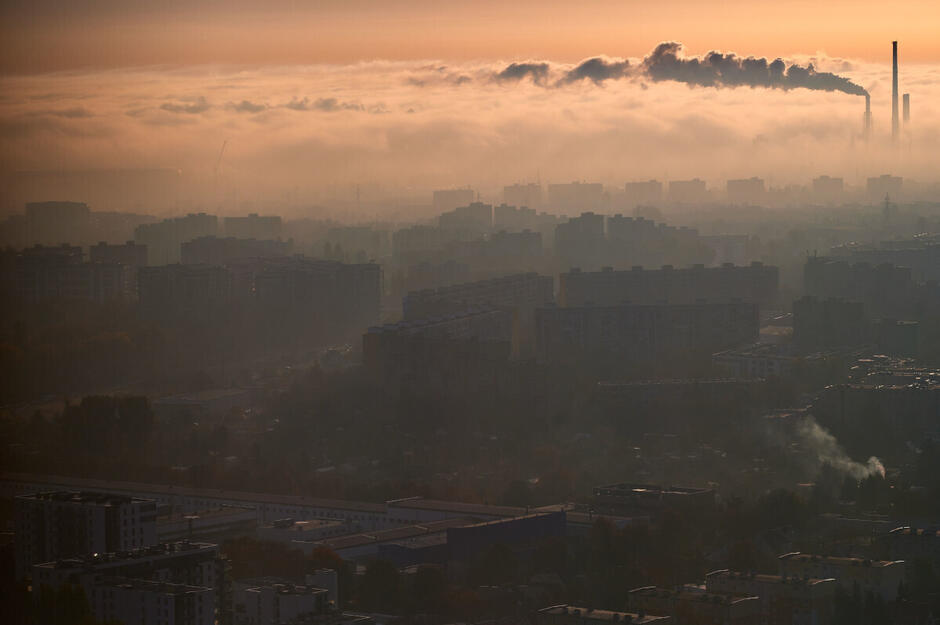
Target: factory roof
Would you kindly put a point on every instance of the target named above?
(796, 556)
(168, 490)
(590, 614)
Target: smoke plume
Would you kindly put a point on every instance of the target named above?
(668, 63)
(824, 447)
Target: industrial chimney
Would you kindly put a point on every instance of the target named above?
(867, 119)
(906, 101)
(895, 125)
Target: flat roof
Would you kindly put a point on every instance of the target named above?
(470, 509)
(590, 614)
(85, 498)
(186, 491)
(163, 549)
(796, 556)
(151, 586)
(394, 534)
(767, 578)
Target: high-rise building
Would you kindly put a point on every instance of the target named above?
(163, 239)
(646, 192)
(253, 226)
(687, 191)
(756, 283)
(576, 196)
(523, 195)
(638, 335)
(747, 191)
(54, 223)
(65, 524)
(449, 199)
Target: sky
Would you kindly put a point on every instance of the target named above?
(309, 96)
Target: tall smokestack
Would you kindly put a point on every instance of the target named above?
(906, 101)
(895, 125)
(867, 120)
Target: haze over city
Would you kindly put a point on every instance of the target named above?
(432, 313)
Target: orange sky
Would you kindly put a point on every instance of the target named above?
(50, 35)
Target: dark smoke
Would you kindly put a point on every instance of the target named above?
(517, 71)
(715, 69)
(597, 70)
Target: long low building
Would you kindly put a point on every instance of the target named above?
(269, 508)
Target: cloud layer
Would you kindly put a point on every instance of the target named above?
(412, 126)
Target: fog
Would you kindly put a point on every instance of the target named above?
(302, 134)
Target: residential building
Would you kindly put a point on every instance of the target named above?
(645, 192)
(696, 608)
(643, 334)
(756, 283)
(143, 602)
(882, 577)
(576, 615)
(272, 601)
(449, 199)
(253, 226)
(523, 195)
(65, 524)
(783, 600)
(687, 191)
(820, 325)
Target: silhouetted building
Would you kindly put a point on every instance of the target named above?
(184, 290)
(580, 240)
(885, 289)
(828, 190)
(747, 191)
(475, 218)
(163, 239)
(253, 226)
(54, 223)
(820, 325)
(755, 283)
(448, 352)
(576, 196)
(880, 577)
(884, 186)
(343, 298)
(58, 273)
(212, 250)
(130, 254)
(518, 295)
(687, 191)
(523, 195)
(449, 199)
(647, 192)
(66, 524)
(783, 600)
(643, 335)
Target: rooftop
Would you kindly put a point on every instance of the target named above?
(85, 498)
(394, 534)
(589, 614)
(163, 588)
(796, 556)
(170, 490)
(765, 578)
(119, 557)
